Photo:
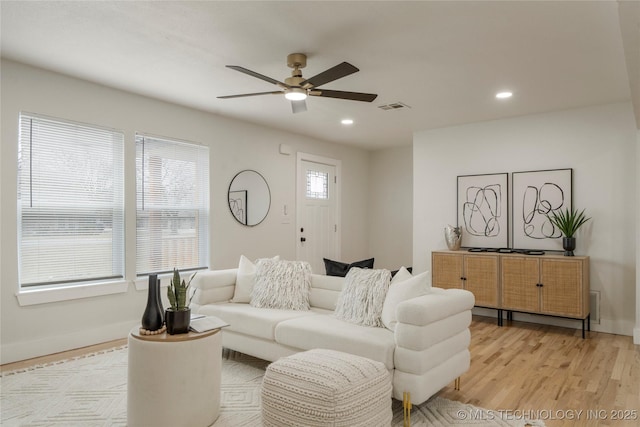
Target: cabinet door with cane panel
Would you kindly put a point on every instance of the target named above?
(446, 269)
(520, 277)
(476, 273)
(565, 287)
(553, 285)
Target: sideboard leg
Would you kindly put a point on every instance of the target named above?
(588, 320)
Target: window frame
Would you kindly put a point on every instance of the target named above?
(202, 231)
(75, 288)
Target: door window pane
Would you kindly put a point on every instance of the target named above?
(317, 185)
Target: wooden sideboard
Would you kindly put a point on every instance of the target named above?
(552, 285)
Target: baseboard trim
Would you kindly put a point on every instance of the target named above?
(23, 350)
(636, 336)
(618, 327)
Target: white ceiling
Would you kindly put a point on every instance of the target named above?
(446, 60)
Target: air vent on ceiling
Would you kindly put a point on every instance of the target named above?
(393, 106)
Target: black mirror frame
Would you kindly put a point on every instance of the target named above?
(229, 203)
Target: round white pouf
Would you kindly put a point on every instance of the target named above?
(326, 388)
(174, 380)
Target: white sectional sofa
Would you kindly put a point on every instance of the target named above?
(427, 349)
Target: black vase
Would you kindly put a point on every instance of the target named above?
(178, 321)
(152, 319)
(568, 244)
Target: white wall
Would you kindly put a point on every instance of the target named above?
(391, 207)
(597, 142)
(636, 331)
(41, 329)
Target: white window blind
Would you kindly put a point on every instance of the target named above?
(172, 181)
(71, 203)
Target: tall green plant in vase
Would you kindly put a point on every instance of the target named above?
(568, 222)
(178, 314)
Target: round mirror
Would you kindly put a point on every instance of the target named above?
(249, 198)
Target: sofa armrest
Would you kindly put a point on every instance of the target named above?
(213, 286)
(436, 305)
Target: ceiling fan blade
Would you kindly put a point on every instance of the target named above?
(335, 73)
(258, 76)
(250, 94)
(353, 96)
(298, 106)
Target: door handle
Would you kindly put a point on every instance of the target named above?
(303, 239)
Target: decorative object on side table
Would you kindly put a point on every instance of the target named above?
(568, 222)
(453, 237)
(178, 315)
(152, 318)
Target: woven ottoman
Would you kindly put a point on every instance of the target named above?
(326, 388)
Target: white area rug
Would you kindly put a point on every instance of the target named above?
(92, 391)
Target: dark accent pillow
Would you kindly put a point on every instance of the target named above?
(409, 269)
(337, 268)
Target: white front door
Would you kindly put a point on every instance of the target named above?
(317, 211)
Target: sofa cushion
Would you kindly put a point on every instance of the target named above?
(213, 286)
(325, 331)
(245, 319)
(439, 304)
(404, 286)
(420, 361)
(282, 284)
(325, 291)
(337, 268)
(363, 296)
(419, 338)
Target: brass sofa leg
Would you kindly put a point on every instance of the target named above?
(406, 408)
(456, 384)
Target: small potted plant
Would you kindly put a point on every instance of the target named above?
(178, 314)
(568, 222)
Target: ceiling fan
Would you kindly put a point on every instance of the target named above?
(296, 88)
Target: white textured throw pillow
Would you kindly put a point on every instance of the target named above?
(282, 284)
(401, 290)
(245, 279)
(363, 295)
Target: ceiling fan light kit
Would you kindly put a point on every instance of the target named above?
(296, 88)
(295, 94)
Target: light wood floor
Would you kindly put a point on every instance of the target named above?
(527, 369)
(553, 373)
(62, 356)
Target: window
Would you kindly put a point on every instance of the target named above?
(71, 203)
(317, 185)
(172, 185)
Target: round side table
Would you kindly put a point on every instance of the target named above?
(174, 380)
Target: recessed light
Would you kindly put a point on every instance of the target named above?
(504, 95)
(347, 122)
